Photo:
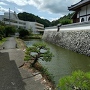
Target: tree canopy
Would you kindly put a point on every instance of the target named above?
(32, 18)
(77, 81)
(9, 30)
(38, 51)
(6, 30)
(66, 19)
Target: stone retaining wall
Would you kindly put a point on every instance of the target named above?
(78, 41)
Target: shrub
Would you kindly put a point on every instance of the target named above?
(65, 21)
(23, 32)
(9, 30)
(77, 81)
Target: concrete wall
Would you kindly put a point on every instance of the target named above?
(78, 41)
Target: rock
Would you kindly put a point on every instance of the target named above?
(78, 41)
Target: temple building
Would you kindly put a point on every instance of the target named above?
(82, 11)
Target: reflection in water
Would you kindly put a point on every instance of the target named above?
(64, 61)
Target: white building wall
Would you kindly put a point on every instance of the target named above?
(12, 15)
(1, 17)
(83, 11)
(6, 15)
(31, 25)
(16, 25)
(88, 9)
(84, 18)
(78, 14)
(88, 17)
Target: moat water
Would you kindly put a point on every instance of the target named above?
(64, 61)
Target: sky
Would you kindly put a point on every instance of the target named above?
(46, 9)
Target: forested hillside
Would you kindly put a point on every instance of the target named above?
(63, 20)
(31, 17)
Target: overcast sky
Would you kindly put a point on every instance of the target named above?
(47, 9)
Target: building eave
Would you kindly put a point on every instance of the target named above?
(78, 5)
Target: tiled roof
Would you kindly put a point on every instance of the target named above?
(79, 4)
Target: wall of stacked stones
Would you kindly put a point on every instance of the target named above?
(78, 41)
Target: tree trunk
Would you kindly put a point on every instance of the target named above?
(36, 59)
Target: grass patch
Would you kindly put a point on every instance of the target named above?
(36, 36)
(20, 43)
(44, 71)
(2, 41)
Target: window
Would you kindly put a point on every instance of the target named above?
(82, 20)
(89, 19)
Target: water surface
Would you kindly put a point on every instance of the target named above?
(64, 61)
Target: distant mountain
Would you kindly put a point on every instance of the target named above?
(31, 17)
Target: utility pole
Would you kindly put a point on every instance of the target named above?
(9, 16)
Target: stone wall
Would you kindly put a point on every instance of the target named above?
(78, 41)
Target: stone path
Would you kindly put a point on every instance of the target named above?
(12, 77)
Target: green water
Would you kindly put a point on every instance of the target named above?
(64, 61)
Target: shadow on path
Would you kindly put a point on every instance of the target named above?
(10, 78)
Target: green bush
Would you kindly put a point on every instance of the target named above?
(23, 32)
(2, 30)
(6, 30)
(9, 30)
(65, 21)
(77, 81)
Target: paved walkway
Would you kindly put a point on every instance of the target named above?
(12, 77)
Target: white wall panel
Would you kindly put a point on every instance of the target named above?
(88, 9)
(83, 11)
